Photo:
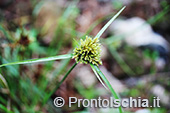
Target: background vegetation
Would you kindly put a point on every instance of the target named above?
(36, 29)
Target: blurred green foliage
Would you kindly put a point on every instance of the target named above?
(28, 85)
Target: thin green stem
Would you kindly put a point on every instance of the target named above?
(58, 85)
(65, 76)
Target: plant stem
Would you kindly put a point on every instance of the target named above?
(65, 76)
(58, 85)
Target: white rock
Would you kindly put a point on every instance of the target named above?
(86, 76)
(137, 32)
(143, 111)
(159, 91)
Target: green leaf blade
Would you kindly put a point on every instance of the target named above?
(97, 70)
(108, 23)
(5, 109)
(66, 56)
(121, 61)
(58, 85)
(3, 81)
(99, 78)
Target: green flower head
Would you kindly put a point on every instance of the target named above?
(88, 51)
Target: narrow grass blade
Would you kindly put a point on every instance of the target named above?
(4, 85)
(99, 78)
(5, 109)
(65, 76)
(94, 67)
(3, 81)
(108, 23)
(39, 60)
(5, 32)
(58, 85)
(93, 25)
(3, 100)
(70, 9)
(121, 62)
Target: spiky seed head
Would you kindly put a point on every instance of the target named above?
(88, 51)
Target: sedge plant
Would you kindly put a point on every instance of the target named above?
(88, 52)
